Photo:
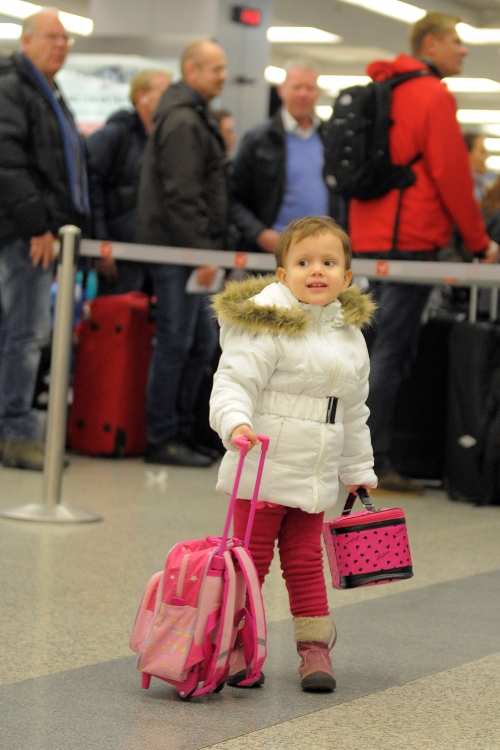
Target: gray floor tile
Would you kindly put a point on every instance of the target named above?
(383, 643)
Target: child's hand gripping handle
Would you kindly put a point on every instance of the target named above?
(351, 499)
(244, 444)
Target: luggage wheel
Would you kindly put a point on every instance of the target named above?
(219, 687)
(187, 697)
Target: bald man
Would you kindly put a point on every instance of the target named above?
(43, 184)
(183, 202)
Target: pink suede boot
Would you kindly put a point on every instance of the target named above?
(313, 636)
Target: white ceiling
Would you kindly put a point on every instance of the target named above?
(366, 36)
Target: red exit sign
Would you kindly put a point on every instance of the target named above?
(246, 16)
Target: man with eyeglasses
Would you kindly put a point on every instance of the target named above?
(43, 184)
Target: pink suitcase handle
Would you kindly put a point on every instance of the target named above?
(244, 444)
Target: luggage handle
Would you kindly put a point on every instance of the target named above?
(244, 444)
(363, 496)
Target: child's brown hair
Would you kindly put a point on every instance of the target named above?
(309, 226)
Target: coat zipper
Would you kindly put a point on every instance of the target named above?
(335, 370)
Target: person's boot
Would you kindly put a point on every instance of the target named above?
(23, 454)
(313, 636)
(174, 453)
(393, 481)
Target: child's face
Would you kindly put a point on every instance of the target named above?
(314, 269)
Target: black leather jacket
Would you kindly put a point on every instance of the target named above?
(34, 187)
(259, 181)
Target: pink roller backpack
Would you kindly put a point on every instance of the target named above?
(193, 611)
(368, 547)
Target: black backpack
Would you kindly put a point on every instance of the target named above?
(357, 159)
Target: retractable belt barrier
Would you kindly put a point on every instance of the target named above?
(51, 508)
(416, 272)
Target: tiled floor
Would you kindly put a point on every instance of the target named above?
(417, 663)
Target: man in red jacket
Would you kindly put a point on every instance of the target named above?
(425, 126)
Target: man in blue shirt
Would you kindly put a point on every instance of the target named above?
(277, 172)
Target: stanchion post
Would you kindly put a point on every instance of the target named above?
(51, 508)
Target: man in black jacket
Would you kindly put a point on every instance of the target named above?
(43, 184)
(183, 202)
(278, 170)
(115, 152)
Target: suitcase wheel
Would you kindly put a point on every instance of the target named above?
(187, 697)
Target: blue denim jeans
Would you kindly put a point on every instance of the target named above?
(397, 327)
(24, 330)
(186, 338)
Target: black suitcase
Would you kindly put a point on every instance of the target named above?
(472, 442)
(419, 434)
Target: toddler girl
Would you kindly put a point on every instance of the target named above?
(295, 367)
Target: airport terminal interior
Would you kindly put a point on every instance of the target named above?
(417, 662)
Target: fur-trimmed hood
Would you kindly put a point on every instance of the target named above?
(277, 312)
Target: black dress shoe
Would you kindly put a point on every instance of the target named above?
(175, 454)
(204, 450)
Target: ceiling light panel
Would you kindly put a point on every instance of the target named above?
(301, 34)
(472, 85)
(324, 111)
(472, 35)
(333, 84)
(18, 8)
(10, 30)
(493, 163)
(478, 116)
(274, 75)
(71, 22)
(492, 144)
(391, 8)
(492, 129)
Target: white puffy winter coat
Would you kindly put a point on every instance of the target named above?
(283, 363)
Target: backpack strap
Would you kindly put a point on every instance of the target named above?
(216, 670)
(254, 632)
(145, 612)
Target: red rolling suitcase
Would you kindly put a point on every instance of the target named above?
(107, 416)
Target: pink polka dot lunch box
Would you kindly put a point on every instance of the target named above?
(368, 547)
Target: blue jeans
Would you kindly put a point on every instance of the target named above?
(397, 327)
(186, 339)
(24, 330)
